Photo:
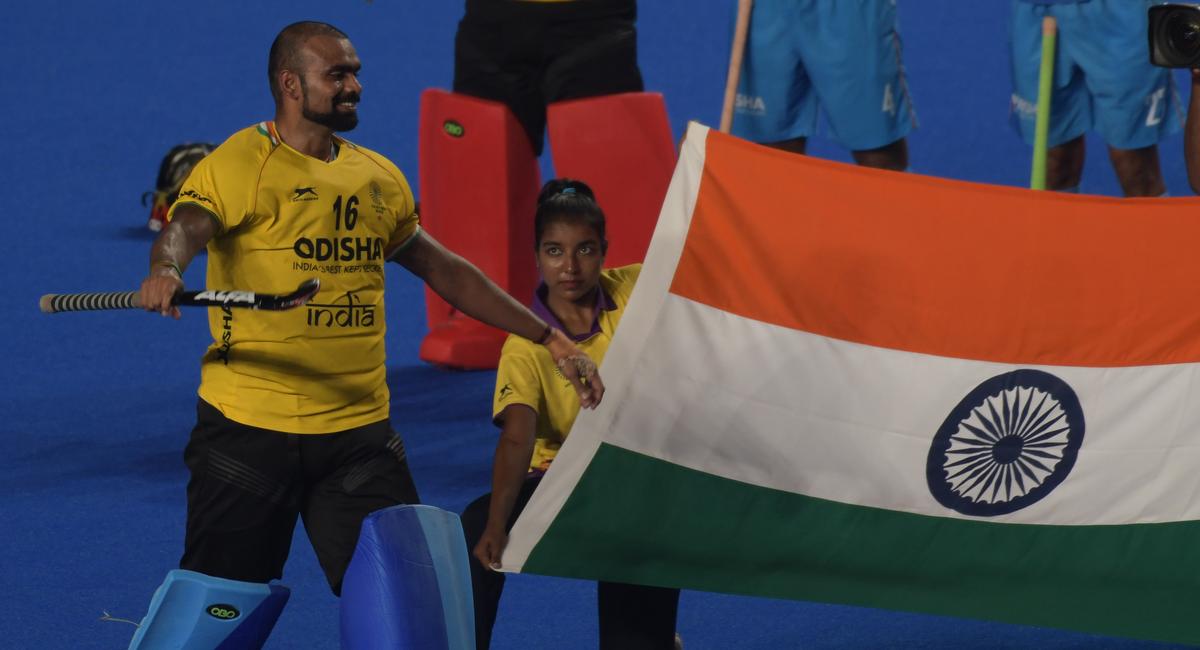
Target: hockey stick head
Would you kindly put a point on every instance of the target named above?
(300, 296)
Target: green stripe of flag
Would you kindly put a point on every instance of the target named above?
(669, 525)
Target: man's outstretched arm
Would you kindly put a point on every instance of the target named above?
(468, 290)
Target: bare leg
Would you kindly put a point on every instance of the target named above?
(1064, 165)
(1191, 134)
(796, 145)
(1138, 171)
(892, 156)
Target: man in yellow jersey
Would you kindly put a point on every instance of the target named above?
(293, 412)
(530, 53)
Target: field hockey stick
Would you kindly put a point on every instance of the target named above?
(1041, 125)
(57, 302)
(735, 63)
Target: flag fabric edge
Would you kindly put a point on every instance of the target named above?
(581, 444)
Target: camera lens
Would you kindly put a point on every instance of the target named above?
(1181, 31)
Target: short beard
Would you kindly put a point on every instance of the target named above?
(332, 120)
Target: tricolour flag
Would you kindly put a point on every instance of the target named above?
(882, 389)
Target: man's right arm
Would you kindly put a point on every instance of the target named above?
(1191, 134)
(468, 290)
(190, 229)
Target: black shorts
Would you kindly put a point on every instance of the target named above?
(248, 485)
(530, 54)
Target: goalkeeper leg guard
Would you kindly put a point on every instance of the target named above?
(193, 611)
(479, 187)
(409, 584)
(621, 145)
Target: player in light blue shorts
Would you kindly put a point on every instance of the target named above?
(842, 56)
(1103, 82)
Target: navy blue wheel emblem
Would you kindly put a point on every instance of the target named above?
(1007, 444)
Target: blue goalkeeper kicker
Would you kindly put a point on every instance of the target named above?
(408, 586)
(193, 611)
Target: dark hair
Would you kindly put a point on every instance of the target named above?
(285, 49)
(566, 199)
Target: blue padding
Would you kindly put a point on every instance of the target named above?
(448, 549)
(408, 586)
(193, 611)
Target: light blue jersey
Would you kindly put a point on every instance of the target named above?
(842, 56)
(1103, 79)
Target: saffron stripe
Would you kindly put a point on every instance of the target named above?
(943, 267)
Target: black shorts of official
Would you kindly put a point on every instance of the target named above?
(248, 486)
(530, 54)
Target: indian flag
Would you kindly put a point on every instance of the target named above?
(855, 386)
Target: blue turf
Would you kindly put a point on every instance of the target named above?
(96, 407)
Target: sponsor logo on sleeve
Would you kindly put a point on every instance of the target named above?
(195, 196)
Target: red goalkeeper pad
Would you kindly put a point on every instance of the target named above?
(479, 182)
(621, 146)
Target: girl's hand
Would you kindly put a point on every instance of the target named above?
(491, 547)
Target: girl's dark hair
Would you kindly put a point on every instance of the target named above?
(566, 199)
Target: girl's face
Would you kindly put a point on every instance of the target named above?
(569, 258)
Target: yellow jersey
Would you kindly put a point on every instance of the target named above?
(285, 217)
(528, 375)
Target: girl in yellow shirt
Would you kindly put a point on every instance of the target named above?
(535, 408)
